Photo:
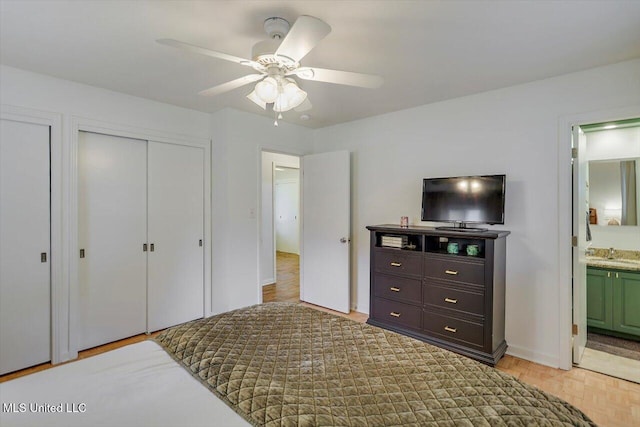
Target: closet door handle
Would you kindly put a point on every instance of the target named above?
(144, 247)
(81, 253)
(200, 242)
(152, 247)
(43, 257)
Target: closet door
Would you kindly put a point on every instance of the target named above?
(112, 220)
(25, 287)
(176, 230)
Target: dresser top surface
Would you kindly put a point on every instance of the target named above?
(433, 231)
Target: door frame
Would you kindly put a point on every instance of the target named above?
(58, 246)
(287, 152)
(565, 216)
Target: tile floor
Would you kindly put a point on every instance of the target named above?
(609, 364)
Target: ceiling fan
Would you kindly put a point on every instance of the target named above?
(277, 61)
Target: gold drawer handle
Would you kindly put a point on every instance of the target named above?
(396, 264)
(394, 314)
(394, 289)
(452, 272)
(452, 301)
(448, 329)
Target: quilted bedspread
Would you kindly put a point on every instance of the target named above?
(283, 364)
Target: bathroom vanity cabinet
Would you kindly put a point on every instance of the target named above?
(613, 301)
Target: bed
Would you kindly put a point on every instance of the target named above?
(283, 364)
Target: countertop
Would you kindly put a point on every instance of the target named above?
(616, 263)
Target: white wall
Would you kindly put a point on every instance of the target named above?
(514, 131)
(78, 102)
(267, 262)
(27, 89)
(613, 144)
(238, 140)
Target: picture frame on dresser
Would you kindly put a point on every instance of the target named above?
(452, 299)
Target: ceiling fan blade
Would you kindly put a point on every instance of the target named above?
(233, 84)
(303, 36)
(305, 106)
(208, 52)
(339, 77)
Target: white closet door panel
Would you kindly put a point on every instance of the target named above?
(112, 220)
(176, 226)
(25, 289)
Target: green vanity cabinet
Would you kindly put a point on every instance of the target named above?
(613, 300)
(599, 298)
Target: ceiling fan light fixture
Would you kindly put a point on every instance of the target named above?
(286, 102)
(267, 90)
(253, 96)
(294, 94)
(281, 104)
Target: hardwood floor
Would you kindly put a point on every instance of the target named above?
(287, 286)
(608, 401)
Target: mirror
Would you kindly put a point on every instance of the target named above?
(613, 192)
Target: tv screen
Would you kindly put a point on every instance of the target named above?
(464, 199)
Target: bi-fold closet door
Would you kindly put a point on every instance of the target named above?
(141, 227)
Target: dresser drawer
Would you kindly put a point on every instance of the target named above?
(398, 262)
(453, 269)
(466, 301)
(397, 288)
(397, 313)
(453, 329)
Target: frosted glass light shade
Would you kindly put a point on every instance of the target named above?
(267, 90)
(281, 104)
(295, 95)
(253, 96)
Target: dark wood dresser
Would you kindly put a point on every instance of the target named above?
(452, 300)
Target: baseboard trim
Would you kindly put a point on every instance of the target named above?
(533, 356)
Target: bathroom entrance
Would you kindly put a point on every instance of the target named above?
(606, 264)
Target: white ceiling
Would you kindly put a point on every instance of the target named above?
(427, 51)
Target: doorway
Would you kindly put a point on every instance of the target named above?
(280, 231)
(607, 260)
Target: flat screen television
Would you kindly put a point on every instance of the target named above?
(464, 200)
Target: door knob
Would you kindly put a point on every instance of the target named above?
(344, 240)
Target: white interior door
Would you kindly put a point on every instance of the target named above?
(112, 228)
(176, 230)
(580, 214)
(326, 194)
(25, 277)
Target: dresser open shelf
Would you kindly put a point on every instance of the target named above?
(452, 300)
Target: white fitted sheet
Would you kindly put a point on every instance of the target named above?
(136, 385)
